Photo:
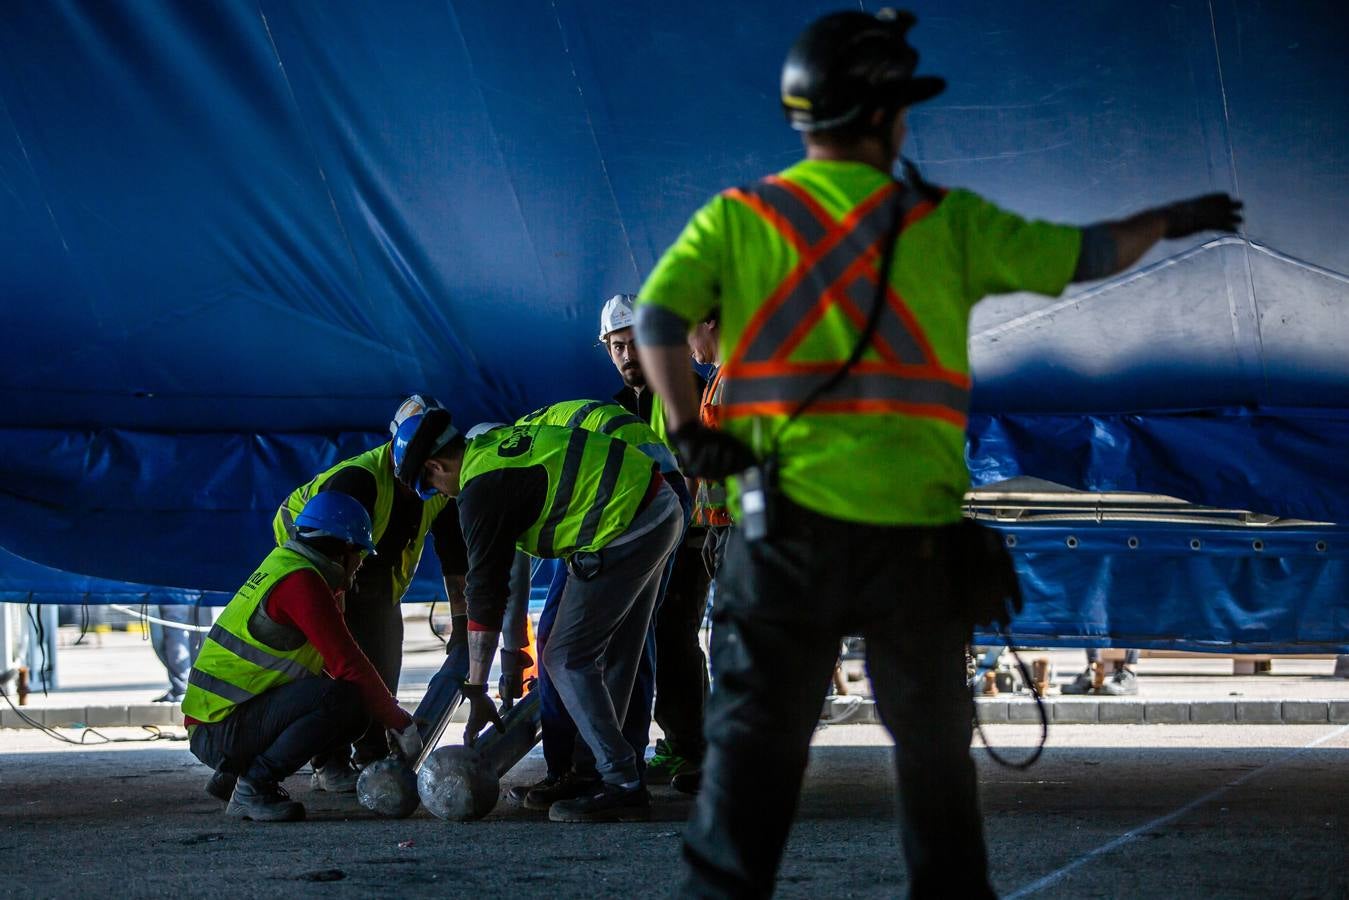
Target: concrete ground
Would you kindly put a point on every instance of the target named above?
(1220, 810)
(1110, 811)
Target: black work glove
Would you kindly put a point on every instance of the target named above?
(512, 683)
(707, 453)
(481, 711)
(458, 632)
(1211, 212)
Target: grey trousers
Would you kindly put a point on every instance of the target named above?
(597, 638)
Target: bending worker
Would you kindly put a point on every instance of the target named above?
(563, 781)
(845, 298)
(580, 496)
(400, 521)
(258, 704)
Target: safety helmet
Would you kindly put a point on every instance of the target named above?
(420, 437)
(847, 65)
(417, 403)
(617, 314)
(482, 428)
(336, 515)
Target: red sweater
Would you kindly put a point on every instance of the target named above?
(303, 600)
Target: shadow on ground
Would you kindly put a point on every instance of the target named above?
(135, 822)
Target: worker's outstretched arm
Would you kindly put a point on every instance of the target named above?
(1111, 247)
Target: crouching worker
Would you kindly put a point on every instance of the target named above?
(599, 504)
(279, 679)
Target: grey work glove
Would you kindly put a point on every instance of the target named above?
(511, 687)
(481, 711)
(1211, 212)
(407, 742)
(707, 453)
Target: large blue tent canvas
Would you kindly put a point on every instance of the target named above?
(236, 234)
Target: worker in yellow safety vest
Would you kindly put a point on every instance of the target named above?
(279, 679)
(401, 523)
(600, 505)
(845, 297)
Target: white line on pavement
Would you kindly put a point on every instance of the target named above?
(1060, 873)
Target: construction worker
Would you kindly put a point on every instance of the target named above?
(681, 674)
(845, 298)
(401, 522)
(562, 782)
(709, 503)
(258, 703)
(588, 499)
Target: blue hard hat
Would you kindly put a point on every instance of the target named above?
(419, 438)
(333, 514)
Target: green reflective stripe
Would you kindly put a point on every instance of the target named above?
(613, 464)
(571, 466)
(256, 655)
(870, 386)
(618, 422)
(583, 412)
(219, 687)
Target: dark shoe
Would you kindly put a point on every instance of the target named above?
(688, 781)
(336, 777)
(221, 785)
(263, 801)
(1082, 684)
(611, 804)
(519, 792)
(1123, 683)
(568, 787)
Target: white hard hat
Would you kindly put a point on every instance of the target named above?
(617, 314)
(482, 428)
(413, 406)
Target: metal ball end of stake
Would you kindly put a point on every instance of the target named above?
(458, 784)
(388, 788)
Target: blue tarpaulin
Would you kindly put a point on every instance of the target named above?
(233, 235)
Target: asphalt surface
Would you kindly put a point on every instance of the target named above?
(1110, 811)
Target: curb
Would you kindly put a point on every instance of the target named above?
(992, 711)
(1130, 711)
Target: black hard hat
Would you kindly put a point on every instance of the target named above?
(847, 65)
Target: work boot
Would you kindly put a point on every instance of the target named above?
(568, 787)
(335, 776)
(1123, 683)
(688, 781)
(519, 792)
(664, 764)
(610, 804)
(221, 785)
(263, 801)
(1081, 684)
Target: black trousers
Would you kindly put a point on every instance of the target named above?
(681, 667)
(376, 622)
(271, 736)
(783, 604)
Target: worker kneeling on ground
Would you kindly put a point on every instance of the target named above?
(258, 703)
(580, 496)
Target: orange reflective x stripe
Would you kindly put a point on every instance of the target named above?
(837, 266)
